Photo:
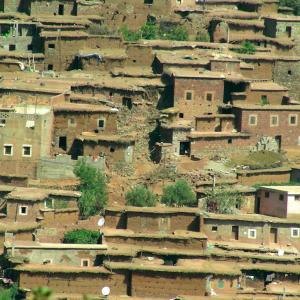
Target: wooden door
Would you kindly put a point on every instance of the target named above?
(273, 235)
(235, 232)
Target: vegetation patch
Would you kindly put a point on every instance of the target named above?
(82, 236)
(140, 196)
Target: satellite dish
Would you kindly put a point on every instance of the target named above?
(101, 222)
(105, 291)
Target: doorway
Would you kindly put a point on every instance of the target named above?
(289, 31)
(257, 205)
(61, 9)
(62, 142)
(185, 148)
(235, 233)
(278, 141)
(274, 235)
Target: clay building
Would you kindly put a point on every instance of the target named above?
(195, 92)
(277, 121)
(251, 229)
(78, 255)
(71, 120)
(262, 93)
(34, 204)
(111, 146)
(278, 201)
(19, 35)
(52, 7)
(31, 141)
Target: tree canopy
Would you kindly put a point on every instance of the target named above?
(140, 196)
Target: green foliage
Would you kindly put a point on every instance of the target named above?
(202, 37)
(179, 194)
(81, 236)
(264, 101)
(247, 48)
(140, 196)
(9, 294)
(42, 293)
(222, 201)
(129, 35)
(294, 4)
(92, 187)
(149, 31)
(175, 33)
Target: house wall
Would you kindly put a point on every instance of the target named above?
(33, 210)
(52, 7)
(214, 124)
(198, 105)
(289, 133)
(225, 66)
(262, 69)
(76, 283)
(273, 97)
(271, 205)
(265, 177)
(169, 285)
(83, 122)
(60, 218)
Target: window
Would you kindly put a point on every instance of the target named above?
(149, 2)
(274, 120)
(252, 233)
(188, 95)
(281, 197)
(264, 100)
(50, 67)
(112, 150)
(295, 232)
(8, 150)
(2, 122)
(220, 284)
(209, 97)
(29, 47)
(127, 101)
(12, 47)
(214, 228)
(253, 120)
(293, 119)
(101, 123)
(181, 115)
(26, 150)
(62, 142)
(23, 210)
(85, 262)
(51, 46)
(229, 141)
(297, 197)
(48, 203)
(61, 9)
(72, 122)
(289, 72)
(267, 194)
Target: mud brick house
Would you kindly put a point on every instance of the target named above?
(19, 35)
(263, 93)
(279, 201)
(52, 7)
(251, 229)
(70, 120)
(31, 140)
(50, 207)
(277, 121)
(77, 255)
(112, 146)
(283, 26)
(196, 92)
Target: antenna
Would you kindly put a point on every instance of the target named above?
(105, 291)
(101, 222)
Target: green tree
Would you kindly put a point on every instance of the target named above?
(82, 236)
(175, 33)
(9, 293)
(93, 188)
(294, 4)
(140, 196)
(247, 48)
(129, 35)
(42, 293)
(179, 194)
(223, 201)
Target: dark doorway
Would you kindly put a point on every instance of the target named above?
(61, 9)
(257, 205)
(62, 143)
(289, 31)
(278, 141)
(235, 232)
(127, 101)
(273, 235)
(185, 148)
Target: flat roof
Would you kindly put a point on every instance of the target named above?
(78, 107)
(290, 189)
(153, 210)
(267, 86)
(193, 73)
(91, 136)
(267, 107)
(64, 34)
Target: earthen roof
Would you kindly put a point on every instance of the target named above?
(64, 34)
(78, 107)
(267, 86)
(134, 71)
(294, 190)
(18, 226)
(111, 53)
(153, 210)
(91, 136)
(193, 73)
(199, 134)
(284, 18)
(243, 23)
(213, 116)
(267, 107)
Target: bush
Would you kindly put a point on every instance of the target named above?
(42, 293)
(294, 4)
(141, 197)
(149, 31)
(92, 187)
(9, 293)
(175, 33)
(223, 201)
(82, 236)
(129, 35)
(247, 48)
(179, 194)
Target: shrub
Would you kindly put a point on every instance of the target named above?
(223, 201)
(149, 31)
(81, 236)
(129, 35)
(92, 187)
(140, 196)
(294, 4)
(42, 293)
(175, 33)
(247, 48)
(179, 194)
(9, 293)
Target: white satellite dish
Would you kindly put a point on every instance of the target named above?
(101, 222)
(105, 291)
